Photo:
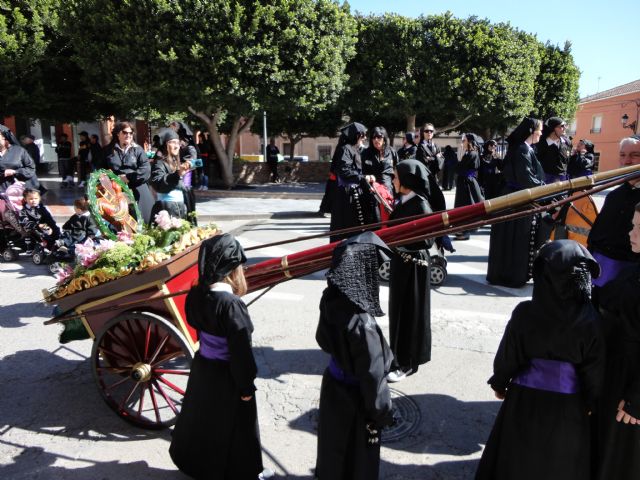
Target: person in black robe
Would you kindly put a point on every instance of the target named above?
(352, 203)
(15, 162)
(216, 435)
(553, 150)
(618, 417)
(167, 175)
(355, 403)
(130, 162)
(409, 281)
(449, 168)
(607, 239)
(468, 190)
(490, 171)
(428, 152)
(549, 369)
(512, 244)
(378, 160)
(581, 163)
(408, 149)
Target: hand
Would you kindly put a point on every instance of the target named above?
(499, 395)
(184, 168)
(124, 178)
(247, 398)
(9, 172)
(624, 417)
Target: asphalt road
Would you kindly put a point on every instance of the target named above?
(55, 425)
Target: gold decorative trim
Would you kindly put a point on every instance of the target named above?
(177, 317)
(445, 219)
(284, 263)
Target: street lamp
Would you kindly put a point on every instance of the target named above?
(625, 124)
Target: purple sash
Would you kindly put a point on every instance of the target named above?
(340, 375)
(469, 173)
(213, 347)
(551, 178)
(609, 268)
(549, 375)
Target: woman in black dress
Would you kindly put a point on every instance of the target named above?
(216, 435)
(549, 371)
(130, 162)
(512, 244)
(468, 190)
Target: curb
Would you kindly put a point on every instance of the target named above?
(208, 218)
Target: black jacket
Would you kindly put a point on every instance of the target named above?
(134, 164)
(554, 159)
(30, 218)
(16, 158)
(79, 228)
(381, 166)
(428, 155)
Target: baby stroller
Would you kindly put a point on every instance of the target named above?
(14, 240)
(438, 266)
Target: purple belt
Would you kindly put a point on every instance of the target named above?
(340, 375)
(469, 173)
(551, 178)
(213, 347)
(549, 375)
(609, 268)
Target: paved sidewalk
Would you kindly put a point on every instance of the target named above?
(279, 200)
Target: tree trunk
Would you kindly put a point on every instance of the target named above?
(294, 140)
(224, 154)
(411, 123)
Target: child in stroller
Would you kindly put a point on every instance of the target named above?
(14, 237)
(37, 221)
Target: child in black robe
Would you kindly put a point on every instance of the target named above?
(549, 371)
(409, 281)
(354, 398)
(79, 228)
(216, 435)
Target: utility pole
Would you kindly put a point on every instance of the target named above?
(264, 135)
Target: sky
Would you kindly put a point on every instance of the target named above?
(604, 34)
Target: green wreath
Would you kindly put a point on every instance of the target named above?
(106, 227)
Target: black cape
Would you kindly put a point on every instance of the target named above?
(619, 444)
(512, 244)
(356, 343)
(135, 165)
(610, 232)
(541, 434)
(410, 295)
(18, 159)
(468, 190)
(216, 435)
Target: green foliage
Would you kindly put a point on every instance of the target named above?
(556, 92)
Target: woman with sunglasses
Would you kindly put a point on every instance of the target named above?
(428, 152)
(129, 160)
(378, 160)
(553, 150)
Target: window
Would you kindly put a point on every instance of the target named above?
(571, 129)
(596, 124)
(324, 153)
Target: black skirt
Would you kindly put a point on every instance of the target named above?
(216, 435)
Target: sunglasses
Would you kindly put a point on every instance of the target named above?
(378, 136)
(127, 132)
(429, 131)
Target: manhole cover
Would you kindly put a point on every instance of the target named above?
(407, 415)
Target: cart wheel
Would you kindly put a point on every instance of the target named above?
(54, 267)
(384, 271)
(37, 257)
(8, 255)
(438, 274)
(141, 363)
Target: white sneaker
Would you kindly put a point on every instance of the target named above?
(266, 473)
(396, 376)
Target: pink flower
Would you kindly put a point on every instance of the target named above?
(125, 237)
(86, 248)
(163, 220)
(64, 272)
(104, 245)
(176, 223)
(88, 260)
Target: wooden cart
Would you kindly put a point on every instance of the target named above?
(142, 345)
